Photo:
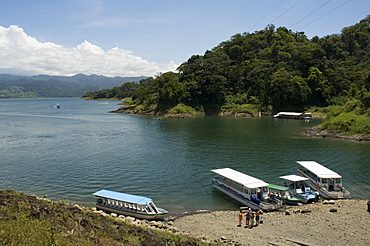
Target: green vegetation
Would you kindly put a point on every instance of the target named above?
(269, 71)
(350, 119)
(275, 69)
(117, 92)
(27, 220)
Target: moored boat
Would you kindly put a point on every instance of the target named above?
(297, 187)
(294, 115)
(327, 182)
(284, 194)
(245, 189)
(130, 205)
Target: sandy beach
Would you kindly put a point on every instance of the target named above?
(339, 222)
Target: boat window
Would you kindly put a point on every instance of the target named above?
(324, 181)
(338, 181)
(99, 200)
(148, 210)
(152, 206)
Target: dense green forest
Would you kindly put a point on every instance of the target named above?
(268, 71)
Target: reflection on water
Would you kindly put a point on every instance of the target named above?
(72, 151)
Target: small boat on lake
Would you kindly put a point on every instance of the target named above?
(284, 194)
(299, 190)
(327, 182)
(245, 189)
(130, 205)
(294, 115)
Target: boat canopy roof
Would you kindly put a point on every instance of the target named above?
(277, 187)
(290, 113)
(241, 178)
(293, 178)
(122, 197)
(319, 170)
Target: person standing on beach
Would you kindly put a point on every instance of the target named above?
(252, 219)
(247, 219)
(258, 217)
(240, 217)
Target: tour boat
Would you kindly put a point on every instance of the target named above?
(245, 189)
(299, 190)
(327, 182)
(284, 194)
(294, 115)
(130, 205)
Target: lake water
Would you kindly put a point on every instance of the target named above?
(70, 152)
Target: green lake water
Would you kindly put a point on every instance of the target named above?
(70, 152)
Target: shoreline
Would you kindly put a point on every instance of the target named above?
(339, 222)
(315, 132)
(328, 222)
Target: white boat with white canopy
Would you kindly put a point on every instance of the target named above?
(297, 187)
(130, 205)
(245, 189)
(327, 182)
(294, 115)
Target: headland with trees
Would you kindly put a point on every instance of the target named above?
(265, 72)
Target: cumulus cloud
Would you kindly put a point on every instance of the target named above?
(24, 55)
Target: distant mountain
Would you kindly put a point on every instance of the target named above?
(93, 80)
(14, 86)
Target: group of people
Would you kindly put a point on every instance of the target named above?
(251, 218)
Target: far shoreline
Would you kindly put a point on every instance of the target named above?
(315, 132)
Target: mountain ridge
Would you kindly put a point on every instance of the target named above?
(18, 86)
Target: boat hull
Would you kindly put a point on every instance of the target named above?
(307, 197)
(291, 201)
(156, 216)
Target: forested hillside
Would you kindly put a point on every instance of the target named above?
(269, 70)
(12, 86)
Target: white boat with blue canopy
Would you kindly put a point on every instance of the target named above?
(130, 205)
(299, 189)
(327, 182)
(245, 189)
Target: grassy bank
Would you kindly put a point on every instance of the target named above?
(350, 121)
(28, 220)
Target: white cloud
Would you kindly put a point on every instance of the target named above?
(24, 55)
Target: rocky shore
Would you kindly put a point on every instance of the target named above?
(317, 132)
(339, 222)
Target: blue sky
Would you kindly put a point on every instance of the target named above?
(146, 37)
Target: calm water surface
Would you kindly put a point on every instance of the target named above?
(70, 152)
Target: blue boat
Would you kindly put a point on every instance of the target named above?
(129, 205)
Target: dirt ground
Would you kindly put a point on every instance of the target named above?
(339, 222)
